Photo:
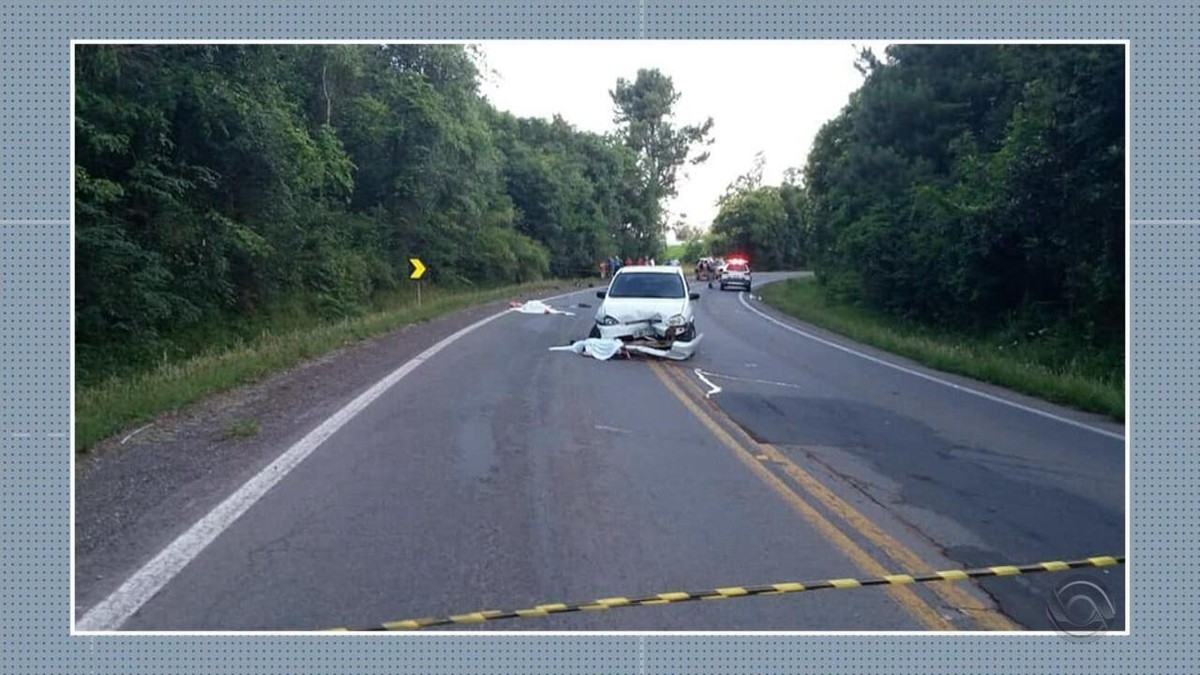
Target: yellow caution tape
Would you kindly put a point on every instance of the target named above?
(743, 591)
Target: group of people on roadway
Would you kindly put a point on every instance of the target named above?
(609, 267)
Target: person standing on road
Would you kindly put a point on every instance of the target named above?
(628, 261)
(641, 260)
(603, 269)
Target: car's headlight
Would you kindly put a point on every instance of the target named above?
(608, 321)
(676, 320)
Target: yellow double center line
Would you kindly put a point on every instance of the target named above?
(708, 413)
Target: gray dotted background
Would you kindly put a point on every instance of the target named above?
(35, 351)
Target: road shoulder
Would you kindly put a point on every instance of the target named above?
(133, 494)
(1094, 421)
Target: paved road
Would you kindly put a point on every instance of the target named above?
(499, 475)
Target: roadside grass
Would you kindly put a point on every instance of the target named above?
(1080, 380)
(243, 428)
(125, 400)
(673, 251)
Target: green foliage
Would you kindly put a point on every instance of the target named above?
(980, 188)
(218, 183)
(565, 186)
(758, 224)
(695, 249)
(965, 190)
(766, 223)
(644, 111)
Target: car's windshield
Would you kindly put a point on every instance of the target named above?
(647, 285)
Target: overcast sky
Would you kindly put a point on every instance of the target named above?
(768, 96)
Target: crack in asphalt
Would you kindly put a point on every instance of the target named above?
(942, 550)
(858, 485)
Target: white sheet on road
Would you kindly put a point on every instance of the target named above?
(597, 348)
(604, 349)
(538, 307)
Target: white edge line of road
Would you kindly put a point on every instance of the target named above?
(112, 612)
(924, 376)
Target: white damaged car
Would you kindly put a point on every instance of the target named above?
(650, 310)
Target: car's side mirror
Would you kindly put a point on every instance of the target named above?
(694, 295)
(600, 294)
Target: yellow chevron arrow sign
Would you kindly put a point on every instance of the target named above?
(418, 268)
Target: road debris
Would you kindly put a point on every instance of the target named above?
(646, 331)
(135, 432)
(536, 307)
(676, 351)
(601, 349)
(604, 349)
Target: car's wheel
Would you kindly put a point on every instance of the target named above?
(595, 331)
(722, 286)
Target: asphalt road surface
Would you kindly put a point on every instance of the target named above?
(497, 474)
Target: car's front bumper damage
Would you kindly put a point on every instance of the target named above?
(652, 337)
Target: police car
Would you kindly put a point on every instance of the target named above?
(736, 273)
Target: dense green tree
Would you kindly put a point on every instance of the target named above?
(218, 182)
(978, 187)
(765, 223)
(644, 112)
(686, 232)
